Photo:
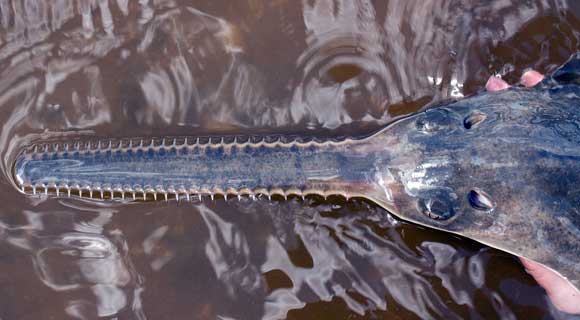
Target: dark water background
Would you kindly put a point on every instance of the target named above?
(324, 68)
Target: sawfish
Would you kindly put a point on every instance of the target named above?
(502, 168)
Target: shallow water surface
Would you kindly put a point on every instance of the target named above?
(312, 68)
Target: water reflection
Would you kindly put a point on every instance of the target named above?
(73, 254)
(323, 68)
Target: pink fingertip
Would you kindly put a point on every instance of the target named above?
(531, 78)
(563, 294)
(496, 84)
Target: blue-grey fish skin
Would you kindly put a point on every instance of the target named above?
(193, 169)
(502, 168)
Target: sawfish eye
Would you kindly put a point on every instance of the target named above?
(436, 209)
(433, 121)
(438, 206)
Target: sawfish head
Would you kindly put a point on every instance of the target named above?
(502, 168)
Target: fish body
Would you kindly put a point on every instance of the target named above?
(502, 168)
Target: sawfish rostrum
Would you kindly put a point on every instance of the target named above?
(501, 168)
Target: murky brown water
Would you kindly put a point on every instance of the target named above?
(313, 68)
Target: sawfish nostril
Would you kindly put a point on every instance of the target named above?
(480, 200)
(474, 119)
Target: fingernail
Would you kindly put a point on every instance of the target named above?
(496, 84)
(531, 78)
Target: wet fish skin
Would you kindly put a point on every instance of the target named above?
(144, 169)
(501, 168)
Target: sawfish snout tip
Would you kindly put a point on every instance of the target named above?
(17, 174)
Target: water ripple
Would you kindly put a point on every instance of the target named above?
(116, 68)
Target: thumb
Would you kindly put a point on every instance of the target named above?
(562, 293)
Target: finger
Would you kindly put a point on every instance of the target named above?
(531, 78)
(496, 84)
(562, 293)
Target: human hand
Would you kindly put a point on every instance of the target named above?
(562, 293)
